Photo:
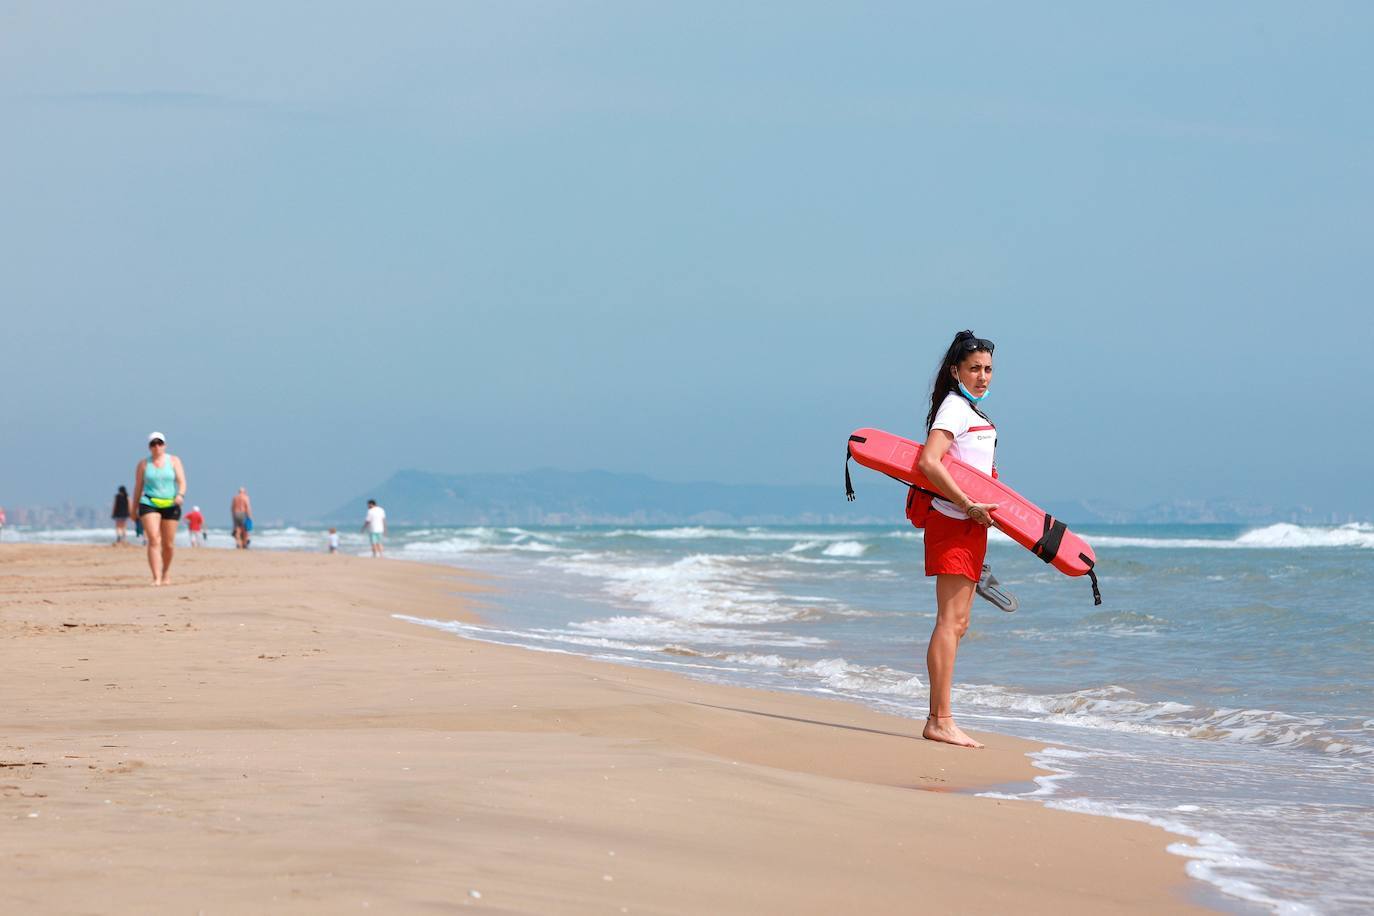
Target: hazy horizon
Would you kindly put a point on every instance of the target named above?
(697, 241)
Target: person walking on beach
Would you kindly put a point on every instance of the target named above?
(159, 491)
(241, 508)
(956, 527)
(333, 540)
(194, 523)
(375, 526)
(120, 514)
(2, 521)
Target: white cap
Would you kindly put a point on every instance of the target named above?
(155, 435)
(195, 508)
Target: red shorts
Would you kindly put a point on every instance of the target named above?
(954, 546)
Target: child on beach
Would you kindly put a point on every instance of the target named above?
(333, 540)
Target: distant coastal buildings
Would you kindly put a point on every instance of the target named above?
(70, 515)
(64, 516)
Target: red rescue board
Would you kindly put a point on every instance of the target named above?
(1017, 517)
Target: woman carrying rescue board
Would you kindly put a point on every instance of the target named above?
(956, 528)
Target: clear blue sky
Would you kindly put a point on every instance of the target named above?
(315, 243)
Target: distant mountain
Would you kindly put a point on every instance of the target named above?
(550, 497)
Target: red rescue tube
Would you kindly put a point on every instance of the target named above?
(1017, 517)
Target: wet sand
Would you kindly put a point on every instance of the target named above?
(262, 736)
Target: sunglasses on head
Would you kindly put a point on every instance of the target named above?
(156, 442)
(970, 344)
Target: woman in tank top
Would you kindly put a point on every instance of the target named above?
(956, 529)
(159, 491)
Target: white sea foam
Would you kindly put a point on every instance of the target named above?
(443, 542)
(701, 532)
(822, 561)
(539, 643)
(693, 533)
(702, 588)
(1214, 858)
(1114, 708)
(61, 535)
(837, 673)
(845, 549)
(290, 538)
(1352, 535)
(218, 537)
(1110, 708)
(1119, 624)
(536, 637)
(447, 545)
(660, 634)
(470, 545)
(1282, 535)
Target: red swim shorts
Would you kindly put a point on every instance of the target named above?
(954, 546)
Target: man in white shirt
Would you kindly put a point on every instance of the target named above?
(375, 526)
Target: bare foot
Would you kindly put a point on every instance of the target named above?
(166, 580)
(943, 729)
(156, 583)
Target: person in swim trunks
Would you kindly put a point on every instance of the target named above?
(241, 508)
(956, 530)
(375, 526)
(195, 521)
(159, 491)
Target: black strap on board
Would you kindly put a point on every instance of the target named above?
(1048, 546)
(849, 486)
(848, 454)
(1097, 595)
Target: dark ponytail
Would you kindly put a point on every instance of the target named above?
(944, 382)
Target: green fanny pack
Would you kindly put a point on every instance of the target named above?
(158, 502)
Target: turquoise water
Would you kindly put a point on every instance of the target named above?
(1223, 689)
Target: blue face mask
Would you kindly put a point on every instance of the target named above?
(968, 394)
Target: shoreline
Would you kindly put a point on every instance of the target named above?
(356, 757)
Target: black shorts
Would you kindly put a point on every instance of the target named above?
(171, 514)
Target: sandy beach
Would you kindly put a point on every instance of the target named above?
(263, 736)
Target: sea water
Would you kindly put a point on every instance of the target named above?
(1224, 688)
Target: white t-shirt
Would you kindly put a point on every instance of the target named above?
(975, 441)
(334, 539)
(376, 520)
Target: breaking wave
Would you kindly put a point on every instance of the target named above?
(1282, 535)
